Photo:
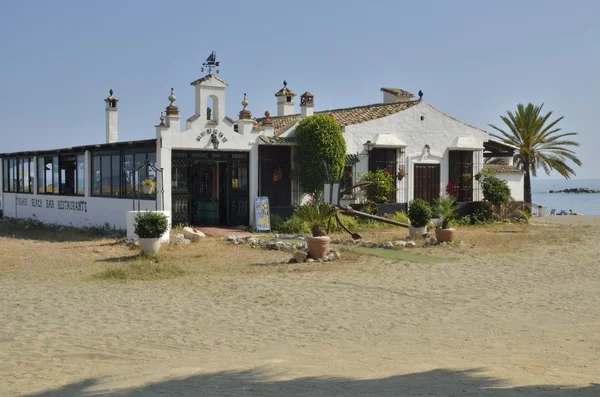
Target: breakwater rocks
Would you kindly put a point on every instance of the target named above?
(577, 190)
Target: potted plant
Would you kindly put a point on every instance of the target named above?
(447, 209)
(477, 176)
(293, 174)
(148, 186)
(277, 174)
(419, 213)
(467, 176)
(318, 217)
(149, 227)
(401, 173)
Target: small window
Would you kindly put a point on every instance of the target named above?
(288, 99)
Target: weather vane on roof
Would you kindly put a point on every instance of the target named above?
(210, 63)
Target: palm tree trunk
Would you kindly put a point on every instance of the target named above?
(527, 182)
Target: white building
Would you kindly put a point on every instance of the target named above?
(211, 171)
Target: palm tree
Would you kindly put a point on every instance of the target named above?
(539, 144)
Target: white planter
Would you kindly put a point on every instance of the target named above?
(416, 232)
(130, 221)
(149, 246)
(147, 189)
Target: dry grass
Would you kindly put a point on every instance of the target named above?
(72, 255)
(141, 268)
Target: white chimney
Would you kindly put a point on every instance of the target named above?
(285, 101)
(307, 104)
(393, 95)
(112, 112)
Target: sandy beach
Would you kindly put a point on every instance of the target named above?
(514, 311)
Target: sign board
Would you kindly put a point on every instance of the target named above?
(262, 214)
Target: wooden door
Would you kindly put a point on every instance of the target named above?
(427, 182)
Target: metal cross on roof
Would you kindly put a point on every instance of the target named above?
(210, 63)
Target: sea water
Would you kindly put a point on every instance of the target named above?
(582, 203)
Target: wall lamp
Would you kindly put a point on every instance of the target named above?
(214, 140)
(369, 146)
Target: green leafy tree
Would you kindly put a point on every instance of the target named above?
(320, 143)
(539, 141)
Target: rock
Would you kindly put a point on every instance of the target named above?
(178, 239)
(408, 238)
(292, 260)
(387, 245)
(253, 241)
(192, 235)
(310, 260)
(300, 256)
(400, 243)
(231, 238)
(432, 241)
(336, 240)
(368, 244)
(337, 255)
(410, 244)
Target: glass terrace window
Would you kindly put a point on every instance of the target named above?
(18, 174)
(106, 174)
(131, 162)
(63, 175)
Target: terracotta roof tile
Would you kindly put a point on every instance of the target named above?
(285, 92)
(344, 116)
(502, 169)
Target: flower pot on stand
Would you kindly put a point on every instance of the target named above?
(445, 235)
(149, 246)
(416, 232)
(318, 247)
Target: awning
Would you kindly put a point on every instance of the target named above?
(496, 148)
(388, 141)
(465, 143)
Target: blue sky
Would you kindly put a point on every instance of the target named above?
(474, 60)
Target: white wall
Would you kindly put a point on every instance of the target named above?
(437, 130)
(515, 183)
(71, 210)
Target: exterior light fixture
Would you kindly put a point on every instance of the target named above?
(369, 146)
(214, 140)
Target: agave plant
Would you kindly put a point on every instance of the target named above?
(318, 216)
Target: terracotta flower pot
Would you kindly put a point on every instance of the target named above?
(318, 246)
(444, 235)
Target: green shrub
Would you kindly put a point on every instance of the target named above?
(349, 221)
(419, 213)
(495, 190)
(382, 184)
(277, 222)
(150, 224)
(319, 138)
(483, 213)
(464, 221)
(400, 216)
(295, 225)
